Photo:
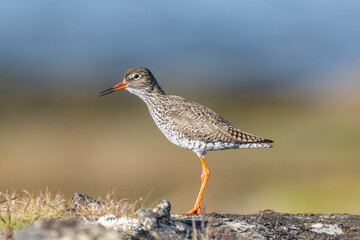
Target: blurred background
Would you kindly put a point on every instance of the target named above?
(284, 70)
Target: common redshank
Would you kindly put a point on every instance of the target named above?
(185, 123)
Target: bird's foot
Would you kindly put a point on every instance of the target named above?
(195, 210)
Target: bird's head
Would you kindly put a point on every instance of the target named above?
(138, 81)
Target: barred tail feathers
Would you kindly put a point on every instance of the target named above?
(258, 143)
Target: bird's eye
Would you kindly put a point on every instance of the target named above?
(136, 76)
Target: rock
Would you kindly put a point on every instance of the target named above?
(157, 223)
(84, 200)
(65, 230)
(163, 209)
(150, 224)
(123, 225)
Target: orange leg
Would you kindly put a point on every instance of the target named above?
(204, 178)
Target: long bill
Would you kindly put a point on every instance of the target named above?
(118, 86)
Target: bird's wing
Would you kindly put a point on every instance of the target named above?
(200, 122)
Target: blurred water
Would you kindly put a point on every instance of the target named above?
(278, 41)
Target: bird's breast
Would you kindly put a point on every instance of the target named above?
(175, 135)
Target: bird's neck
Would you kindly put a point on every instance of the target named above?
(149, 96)
(157, 90)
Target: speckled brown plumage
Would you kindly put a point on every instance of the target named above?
(185, 123)
(196, 121)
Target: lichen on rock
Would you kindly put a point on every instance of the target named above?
(158, 223)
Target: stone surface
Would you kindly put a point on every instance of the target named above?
(84, 200)
(150, 224)
(159, 224)
(272, 225)
(65, 230)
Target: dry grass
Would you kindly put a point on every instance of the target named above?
(21, 210)
(17, 211)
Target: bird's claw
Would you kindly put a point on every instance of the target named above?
(195, 210)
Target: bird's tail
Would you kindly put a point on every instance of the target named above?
(264, 143)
